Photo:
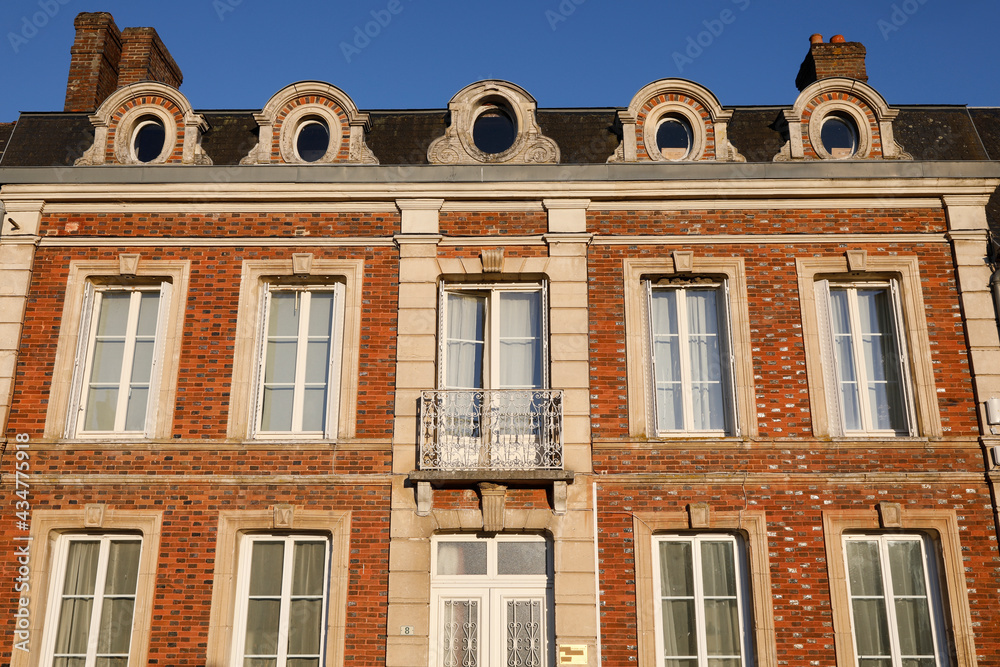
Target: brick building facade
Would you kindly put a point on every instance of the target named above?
(667, 383)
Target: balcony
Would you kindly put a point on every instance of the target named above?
(491, 430)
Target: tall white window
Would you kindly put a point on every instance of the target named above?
(869, 368)
(282, 601)
(691, 360)
(896, 612)
(90, 622)
(491, 601)
(300, 358)
(493, 337)
(119, 358)
(702, 590)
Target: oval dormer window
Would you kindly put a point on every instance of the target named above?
(839, 136)
(148, 139)
(312, 140)
(494, 130)
(673, 137)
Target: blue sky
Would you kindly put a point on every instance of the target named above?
(392, 54)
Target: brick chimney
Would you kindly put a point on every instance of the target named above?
(93, 64)
(145, 58)
(104, 59)
(836, 58)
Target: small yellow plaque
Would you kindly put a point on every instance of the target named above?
(572, 654)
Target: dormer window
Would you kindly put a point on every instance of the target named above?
(494, 130)
(673, 137)
(148, 139)
(312, 140)
(839, 136)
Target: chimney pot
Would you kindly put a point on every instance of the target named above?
(837, 39)
(816, 39)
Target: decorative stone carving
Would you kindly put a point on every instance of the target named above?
(128, 264)
(700, 515)
(93, 515)
(493, 500)
(683, 261)
(890, 514)
(286, 111)
(284, 516)
(857, 260)
(302, 263)
(120, 114)
(457, 145)
(851, 99)
(684, 99)
(492, 259)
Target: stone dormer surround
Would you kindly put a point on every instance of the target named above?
(116, 119)
(291, 106)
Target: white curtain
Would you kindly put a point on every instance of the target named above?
(465, 341)
(707, 402)
(520, 340)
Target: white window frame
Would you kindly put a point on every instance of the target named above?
(742, 575)
(83, 367)
(726, 356)
(491, 353)
(831, 366)
(57, 582)
(333, 371)
(931, 584)
(491, 591)
(243, 593)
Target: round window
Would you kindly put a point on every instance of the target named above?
(673, 137)
(148, 139)
(839, 136)
(313, 140)
(494, 130)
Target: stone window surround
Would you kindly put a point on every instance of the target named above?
(855, 265)
(942, 526)
(81, 274)
(884, 117)
(751, 526)
(285, 519)
(457, 145)
(637, 354)
(358, 124)
(718, 118)
(188, 135)
(243, 399)
(46, 528)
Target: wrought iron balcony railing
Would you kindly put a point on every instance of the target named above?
(499, 429)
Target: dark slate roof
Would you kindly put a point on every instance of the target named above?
(988, 127)
(938, 133)
(5, 130)
(583, 136)
(402, 137)
(48, 140)
(754, 131)
(230, 135)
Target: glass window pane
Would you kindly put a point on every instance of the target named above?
(149, 307)
(466, 317)
(718, 568)
(317, 361)
(461, 557)
(321, 314)
(314, 409)
(107, 366)
(722, 627)
(262, 626)
(74, 625)
(111, 662)
(260, 662)
(113, 318)
(279, 366)
(464, 365)
(520, 364)
(871, 627)
(676, 569)
(520, 314)
(284, 314)
(864, 567)
(522, 558)
(663, 311)
(308, 574)
(116, 626)
(101, 407)
(679, 637)
(304, 626)
(460, 632)
(81, 567)
(142, 361)
(313, 140)
(913, 622)
(302, 662)
(135, 412)
(906, 564)
(123, 567)
(276, 412)
(266, 563)
(69, 662)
